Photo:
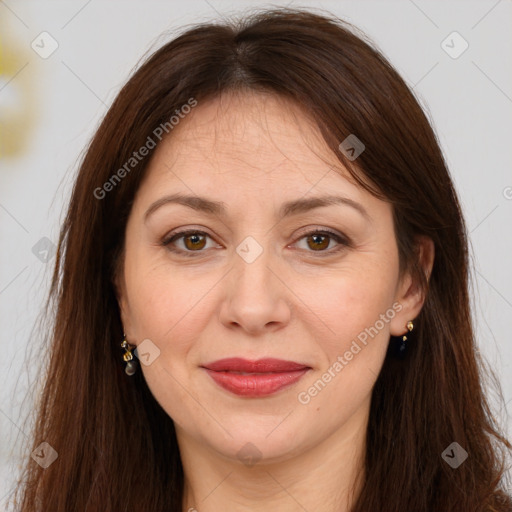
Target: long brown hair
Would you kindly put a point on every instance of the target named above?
(117, 449)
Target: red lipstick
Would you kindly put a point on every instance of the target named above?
(255, 378)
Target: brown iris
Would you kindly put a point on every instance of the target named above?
(197, 243)
(321, 245)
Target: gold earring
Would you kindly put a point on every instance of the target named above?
(410, 327)
(131, 363)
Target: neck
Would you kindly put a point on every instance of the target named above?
(325, 478)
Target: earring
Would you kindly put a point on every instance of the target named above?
(131, 363)
(402, 347)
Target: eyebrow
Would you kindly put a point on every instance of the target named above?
(218, 208)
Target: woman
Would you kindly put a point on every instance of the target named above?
(261, 293)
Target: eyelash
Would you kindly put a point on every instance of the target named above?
(342, 241)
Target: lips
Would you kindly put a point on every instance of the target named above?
(237, 364)
(255, 378)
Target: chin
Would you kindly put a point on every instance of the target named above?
(259, 443)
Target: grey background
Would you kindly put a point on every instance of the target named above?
(468, 100)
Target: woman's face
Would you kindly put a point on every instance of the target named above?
(255, 281)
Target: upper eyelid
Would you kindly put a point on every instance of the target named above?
(304, 232)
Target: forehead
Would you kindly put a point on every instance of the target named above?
(247, 140)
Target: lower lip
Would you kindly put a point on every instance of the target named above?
(256, 384)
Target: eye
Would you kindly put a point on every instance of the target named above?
(195, 241)
(319, 240)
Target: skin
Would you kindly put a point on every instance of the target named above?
(254, 152)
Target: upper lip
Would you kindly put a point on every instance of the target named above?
(267, 365)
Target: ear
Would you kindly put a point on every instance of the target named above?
(410, 294)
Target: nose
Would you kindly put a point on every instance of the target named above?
(257, 299)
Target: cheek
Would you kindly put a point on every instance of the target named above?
(357, 312)
(162, 311)
(351, 302)
(170, 311)
(168, 305)
(358, 308)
